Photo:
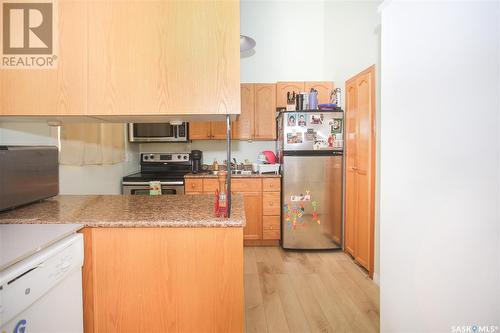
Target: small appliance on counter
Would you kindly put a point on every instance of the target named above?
(164, 169)
(267, 163)
(197, 161)
(27, 174)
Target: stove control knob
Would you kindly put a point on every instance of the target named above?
(152, 156)
(178, 157)
(146, 157)
(185, 157)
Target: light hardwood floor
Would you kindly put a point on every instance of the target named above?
(288, 291)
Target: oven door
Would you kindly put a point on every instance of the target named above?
(157, 132)
(142, 188)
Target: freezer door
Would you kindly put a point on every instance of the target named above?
(312, 202)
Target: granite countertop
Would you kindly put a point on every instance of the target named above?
(209, 175)
(127, 211)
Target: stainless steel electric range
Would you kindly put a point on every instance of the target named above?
(167, 168)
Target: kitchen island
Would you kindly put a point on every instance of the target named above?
(153, 263)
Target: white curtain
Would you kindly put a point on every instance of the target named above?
(92, 144)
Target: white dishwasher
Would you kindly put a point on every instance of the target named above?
(43, 293)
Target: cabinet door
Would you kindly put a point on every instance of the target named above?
(283, 87)
(360, 167)
(200, 130)
(350, 176)
(58, 91)
(243, 127)
(253, 213)
(365, 166)
(218, 130)
(324, 89)
(161, 57)
(265, 111)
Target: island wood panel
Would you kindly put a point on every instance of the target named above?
(183, 59)
(324, 89)
(244, 126)
(88, 281)
(283, 87)
(58, 91)
(265, 111)
(165, 280)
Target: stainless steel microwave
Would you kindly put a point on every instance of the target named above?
(158, 132)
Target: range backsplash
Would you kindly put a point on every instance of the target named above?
(214, 149)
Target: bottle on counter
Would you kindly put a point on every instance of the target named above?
(222, 207)
(215, 165)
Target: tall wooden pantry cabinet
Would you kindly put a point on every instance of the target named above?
(360, 167)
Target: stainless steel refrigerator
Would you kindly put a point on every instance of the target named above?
(310, 149)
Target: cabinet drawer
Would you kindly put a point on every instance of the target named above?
(271, 184)
(271, 203)
(271, 223)
(210, 185)
(193, 185)
(246, 185)
(271, 234)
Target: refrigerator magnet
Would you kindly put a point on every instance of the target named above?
(310, 134)
(292, 119)
(294, 137)
(302, 122)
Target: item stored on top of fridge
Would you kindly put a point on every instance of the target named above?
(313, 99)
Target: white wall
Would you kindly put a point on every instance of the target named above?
(93, 179)
(439, 213)
(290, 41)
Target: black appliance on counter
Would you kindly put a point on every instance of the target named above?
(27, 174)
(197, 158)
(167, 168)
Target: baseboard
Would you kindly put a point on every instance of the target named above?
(376, 279)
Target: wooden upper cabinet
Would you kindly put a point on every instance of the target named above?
(243, 127)
(324, 89)
(283, 87)
(200, 130)
(135, 58)
(265, 111)
(207, 130)
(163, 57)
(218, 130)
(58, 91)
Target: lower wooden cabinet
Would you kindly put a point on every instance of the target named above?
(262, 197)
(253, 214)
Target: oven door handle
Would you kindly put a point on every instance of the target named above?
(147, 183)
